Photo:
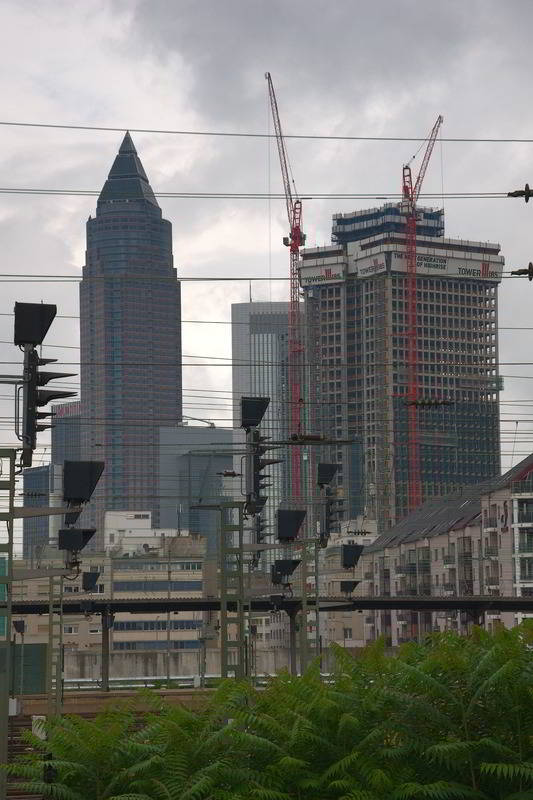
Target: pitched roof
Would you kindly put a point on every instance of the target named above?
(127, 179)
(453, 511)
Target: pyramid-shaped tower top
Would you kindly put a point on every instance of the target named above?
(127, 179)
(127, 145)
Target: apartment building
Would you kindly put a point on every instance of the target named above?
(138, 561)
(478, 541)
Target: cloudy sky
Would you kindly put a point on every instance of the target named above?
(341, 67)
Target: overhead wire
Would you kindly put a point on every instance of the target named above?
(257, 135)
(227, 195)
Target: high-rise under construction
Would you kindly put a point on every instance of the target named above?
(356, 292)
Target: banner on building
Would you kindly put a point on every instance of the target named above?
(311, 276)
(447, 266)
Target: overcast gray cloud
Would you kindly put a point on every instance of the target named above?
(345, 67)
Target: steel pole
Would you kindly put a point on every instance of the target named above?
(292, 641)
(107, 623)
(303, 614)
(6, 580)
(169, 577)
(317, 604)
(242, 669)
(21, 665)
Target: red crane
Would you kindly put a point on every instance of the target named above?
(410, 197)
(294, 241)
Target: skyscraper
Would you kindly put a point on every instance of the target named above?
(66, 432)
(191, 461)
(260, 369)
(356, 290)
(36, 488)
(130, 339)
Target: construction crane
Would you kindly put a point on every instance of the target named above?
(410, 197)
(293, 241)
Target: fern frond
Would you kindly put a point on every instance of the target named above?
(439, 790)
(508, 772)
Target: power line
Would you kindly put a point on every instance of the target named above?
(33, 277)
(249, 135)
(36, 192)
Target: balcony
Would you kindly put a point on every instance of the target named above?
(466, 556)
(449, 587)
(491, 551)
(525, 547)
(403, 617)
(424, 565)
(490, 524)
(492, 580)
(525, 517)
(449, 560)
(405, 569)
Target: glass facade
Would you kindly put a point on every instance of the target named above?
(36, 488)
(66, 442)
(191, 460)
(260, 369)
(130, 340)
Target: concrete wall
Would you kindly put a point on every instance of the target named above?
(80, 665)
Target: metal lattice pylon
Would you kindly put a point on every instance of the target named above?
(54, 662)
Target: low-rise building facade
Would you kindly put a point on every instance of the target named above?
(478, 541)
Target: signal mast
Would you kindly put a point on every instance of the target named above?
(293, 241)
(410, 197)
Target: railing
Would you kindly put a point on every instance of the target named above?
(424, 565)
(405, 569)
(490, 522)
(525, 516)
(491, 550)
(465, 556)
(449, 560)
(492, 580)
(156, 682)
(449, 587)
(525, 547)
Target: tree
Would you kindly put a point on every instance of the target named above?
(450, 719)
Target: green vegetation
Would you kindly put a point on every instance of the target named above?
(450, 719)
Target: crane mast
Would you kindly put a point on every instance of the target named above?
(294, 241)
(410, 197)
